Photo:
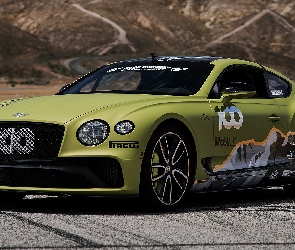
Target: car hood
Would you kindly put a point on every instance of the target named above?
(63, 108)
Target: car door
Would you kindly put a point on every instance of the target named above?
(279, 90)
(246, 128)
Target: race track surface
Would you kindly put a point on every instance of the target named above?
(252, 219)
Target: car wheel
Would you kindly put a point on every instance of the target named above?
(11, 196)
(166, 169)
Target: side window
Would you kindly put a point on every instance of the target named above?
(240, 78)
(277, 87)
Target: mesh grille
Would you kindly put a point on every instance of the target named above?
(109, 171)
(44, 178)
(25, 140)
(106, 169)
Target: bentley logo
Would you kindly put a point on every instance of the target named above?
(20, 114)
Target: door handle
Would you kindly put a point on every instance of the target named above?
(274, 118)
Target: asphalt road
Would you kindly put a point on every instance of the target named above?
(253, 219)
(74, 65)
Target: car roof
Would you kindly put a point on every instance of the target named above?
(176, 58)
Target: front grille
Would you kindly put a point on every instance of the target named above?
(108, 170)
(25, 140)
(65, 173)
(44, 178)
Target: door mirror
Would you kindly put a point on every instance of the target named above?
(236, 90)
(227, 97)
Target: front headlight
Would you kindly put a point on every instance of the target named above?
(93, 132)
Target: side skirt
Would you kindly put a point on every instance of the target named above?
(283, 174)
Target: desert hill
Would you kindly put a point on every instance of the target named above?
(37, 36)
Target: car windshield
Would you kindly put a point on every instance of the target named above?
(144, 77)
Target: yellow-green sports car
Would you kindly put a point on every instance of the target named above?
(156, 127)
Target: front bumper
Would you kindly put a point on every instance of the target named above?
(72, 175)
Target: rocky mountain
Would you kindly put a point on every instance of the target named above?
(37, 36)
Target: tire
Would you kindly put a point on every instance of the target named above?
(7, 196)
(166, 169)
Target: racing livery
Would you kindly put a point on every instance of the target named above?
(155, 127)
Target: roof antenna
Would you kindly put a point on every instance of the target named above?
(153, 54)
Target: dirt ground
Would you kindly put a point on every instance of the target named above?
(7, 91)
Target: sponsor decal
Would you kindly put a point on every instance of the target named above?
(291, 155)
(248, 178)
(277, 92)
(225, 141)
(20, 141)
(123, 144)
(235, 121)
(277, 147)
(274, 175)
(288, 173)
(226, 182)
(20, 114)
(147, 67)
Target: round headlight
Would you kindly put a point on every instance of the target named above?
(93, 132)
(124, 127)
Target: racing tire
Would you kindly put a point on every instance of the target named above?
(166, 171)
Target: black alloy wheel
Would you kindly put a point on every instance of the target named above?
(166, 169)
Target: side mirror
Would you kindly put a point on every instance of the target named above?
(236, 90)
(227, 97)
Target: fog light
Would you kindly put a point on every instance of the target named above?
(124, 127)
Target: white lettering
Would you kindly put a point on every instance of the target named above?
(232, 122)
(277, 92)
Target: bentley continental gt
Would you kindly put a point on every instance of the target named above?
(157, 127)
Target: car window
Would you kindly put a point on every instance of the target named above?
(145, 77)
(88, 87)
(277, 87)
(126, 80)
(240, 78)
